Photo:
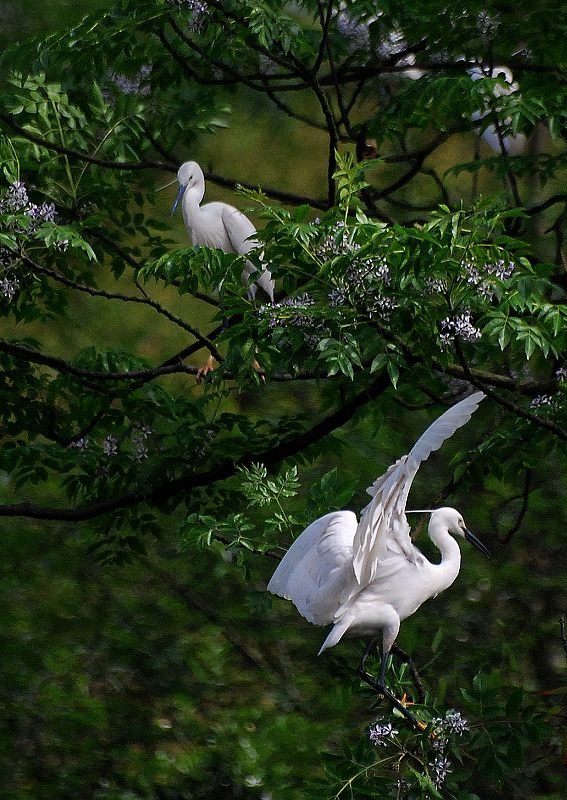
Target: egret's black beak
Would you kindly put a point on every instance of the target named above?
(470, 537)
(178, 198)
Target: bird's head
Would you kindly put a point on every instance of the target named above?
(189, 175)
(452, 520)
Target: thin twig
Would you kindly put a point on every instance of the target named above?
(146, 301)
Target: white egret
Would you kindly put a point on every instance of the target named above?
(219, 226)
(365, 577)
(513, 144)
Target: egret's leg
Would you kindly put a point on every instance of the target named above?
(380, 686)
(369, 648)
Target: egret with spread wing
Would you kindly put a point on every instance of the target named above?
(365, 577)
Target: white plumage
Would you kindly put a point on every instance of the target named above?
(511, 145)
(218, 225)
(365, 577)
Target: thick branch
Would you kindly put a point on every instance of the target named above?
(172, 366)
(186, 483)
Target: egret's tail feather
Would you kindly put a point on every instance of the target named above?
(334, 637)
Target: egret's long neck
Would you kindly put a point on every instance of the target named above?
(191, 201)
(448, 568)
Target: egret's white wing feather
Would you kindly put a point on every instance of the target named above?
(316, 572)
(239, 229)
(383, 524)
(240, 232)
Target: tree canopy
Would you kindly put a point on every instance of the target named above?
(405, 167)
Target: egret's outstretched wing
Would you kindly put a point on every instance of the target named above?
(317, 568)
(383, 525)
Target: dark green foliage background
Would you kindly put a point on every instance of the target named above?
(140, 656)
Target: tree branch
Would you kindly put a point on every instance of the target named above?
(163, 492)
(145, 301)
(126, 166)
(126, 256)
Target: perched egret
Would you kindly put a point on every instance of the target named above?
(365, 577)
(220, 226)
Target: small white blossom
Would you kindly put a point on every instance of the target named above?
(487, 24)
(278, 313)
(435, 286)
(363, 273)
(140, 450)
(542, 400)
(79, 444)
(503, 269)
(380, 732)
(335, 244)
(16, 197)
(338, 296)
(459, 326)
(16, 200)
(439, 743)
(198, 9)
(455, 723)
(8, 287)
(110, 446)
(440, 767)
(139, 440)
(136, 84)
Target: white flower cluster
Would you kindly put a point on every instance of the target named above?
(542, 400)
(452, 724)
(278, 313)
(8, 287)
(440, 768)
(293, 313)
(16, 200)
(363, 272)
(79, 444)
(459, 326)
(137, 84)
(479, 277)
(139, 440)
(381, 732)
(110, 446)
(364, 284)
(487, 24)
(435, 286)
(198, 10)
(336, 243)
